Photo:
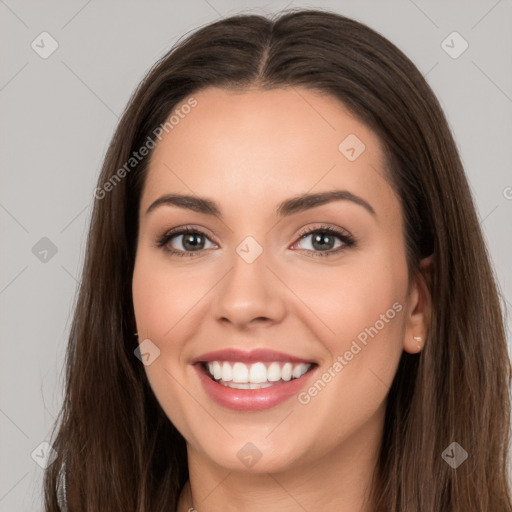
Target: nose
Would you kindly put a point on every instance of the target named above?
(250, 294)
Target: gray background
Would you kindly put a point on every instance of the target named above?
(57, 117)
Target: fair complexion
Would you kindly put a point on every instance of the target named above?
(248, 151)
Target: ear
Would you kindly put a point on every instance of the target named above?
(419, 308)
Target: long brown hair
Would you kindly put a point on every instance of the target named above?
(122, 453)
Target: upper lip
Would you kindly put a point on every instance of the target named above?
(253, 356)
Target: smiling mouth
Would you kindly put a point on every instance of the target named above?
(258, 375)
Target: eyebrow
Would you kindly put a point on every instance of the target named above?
(288, 207)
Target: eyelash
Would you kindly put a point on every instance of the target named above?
(347, 240)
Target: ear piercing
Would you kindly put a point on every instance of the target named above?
(419, 340)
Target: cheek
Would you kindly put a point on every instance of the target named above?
(361, 307)
(162, 297)
(151, 299)
(159, 305)
(348, 299)
(366, 316)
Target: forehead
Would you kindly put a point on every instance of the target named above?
(252, 147)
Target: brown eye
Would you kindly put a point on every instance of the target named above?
(323, 241)
(188, 241)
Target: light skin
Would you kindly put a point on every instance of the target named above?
(249, 151)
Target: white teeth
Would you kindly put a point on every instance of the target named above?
(299, 370)
(217, 370)
(240, 372)
(227, 372)
(274, 372)
(257, 375)
(245, 385)
(286, 371)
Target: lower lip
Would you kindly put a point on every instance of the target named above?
(252, 399)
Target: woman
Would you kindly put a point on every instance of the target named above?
(286, 301)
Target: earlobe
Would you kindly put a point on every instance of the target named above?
(419, 309)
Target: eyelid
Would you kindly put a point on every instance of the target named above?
(323, 227)
(192, 228)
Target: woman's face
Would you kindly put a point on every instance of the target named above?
(273, 301)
